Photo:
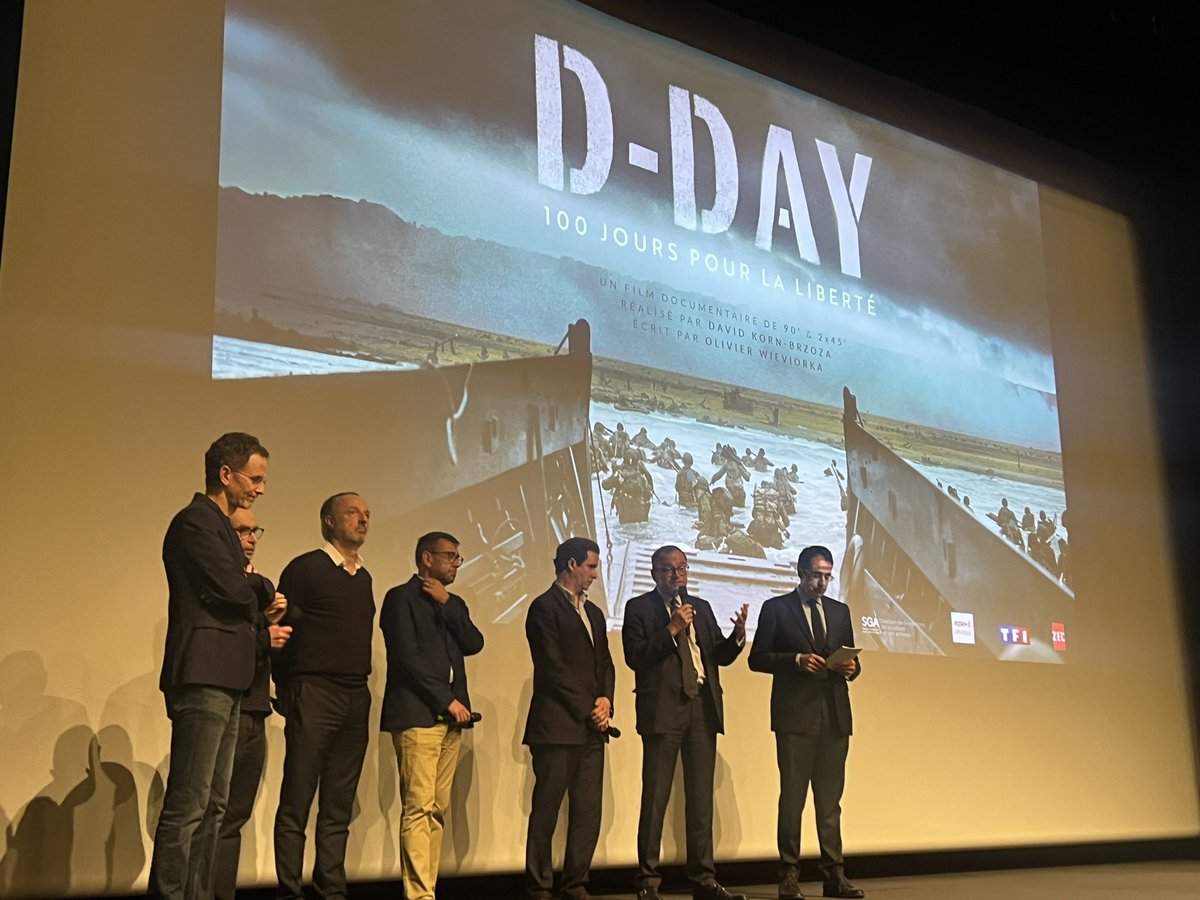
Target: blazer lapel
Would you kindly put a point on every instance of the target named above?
(662, 618)
(567, 609)
(796, 607)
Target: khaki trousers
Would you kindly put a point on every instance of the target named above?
(427, 758)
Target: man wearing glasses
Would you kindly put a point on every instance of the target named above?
(810, 715)
(250, 753)
(674, 646)
(212, 636)
(428, 632)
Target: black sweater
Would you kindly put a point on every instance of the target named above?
(331, 638)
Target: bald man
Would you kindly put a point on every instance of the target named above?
(250, 752)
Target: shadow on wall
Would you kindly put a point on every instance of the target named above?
(81, 832)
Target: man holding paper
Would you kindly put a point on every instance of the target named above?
(799, 642)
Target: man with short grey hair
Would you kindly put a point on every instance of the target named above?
(321, 679)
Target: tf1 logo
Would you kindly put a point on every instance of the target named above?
(1013, 634)
(1058, 635)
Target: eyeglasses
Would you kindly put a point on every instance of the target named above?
(817, 576)
(253, 479)
(452, 555)
(672, 570)
(256, 531)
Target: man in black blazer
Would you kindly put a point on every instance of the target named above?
(250, 753)
(568, 723)
(428, 632)
(212, 636)
(675, 648)
(810, 715)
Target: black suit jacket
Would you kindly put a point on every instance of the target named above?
(257, 698)
(569, 671)
(651, 652)
(212, 612)
(425, 641)
(797, 696)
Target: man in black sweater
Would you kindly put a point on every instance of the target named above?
(428, 631)
(251, 750)
(321, 681)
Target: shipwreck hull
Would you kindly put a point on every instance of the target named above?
(494, 453)
(918, 562)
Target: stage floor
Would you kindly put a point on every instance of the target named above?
(1171, 880)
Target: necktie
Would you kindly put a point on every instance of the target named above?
(818, 627)
(691, 684)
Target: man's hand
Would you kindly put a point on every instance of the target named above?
(280, 635)
(461, 714)
(437, 591)
(600, 713)
(739, 622)
(810, 662)
(681, 619)
(276, 610)
(845, 668)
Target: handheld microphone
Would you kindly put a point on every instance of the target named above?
(446, 719)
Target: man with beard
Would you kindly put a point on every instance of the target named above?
(810, 715)
(426, 706)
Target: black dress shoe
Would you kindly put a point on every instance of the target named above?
(843, 888)
(714, 891)
(648, 893)
(789, 887)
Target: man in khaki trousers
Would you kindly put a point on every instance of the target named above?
(428, 632)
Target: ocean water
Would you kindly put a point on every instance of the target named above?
(236, 358)
(819, 517)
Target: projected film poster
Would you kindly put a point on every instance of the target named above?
(807, 327)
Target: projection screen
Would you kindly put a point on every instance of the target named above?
(499, 267)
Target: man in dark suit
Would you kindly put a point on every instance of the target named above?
(426, 705)
(569, 713)
(212, 636)
(250, 754)
(810, 715)
(675, 647)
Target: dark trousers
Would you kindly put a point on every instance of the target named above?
(248, 759)
(204, 724)
(326, 740)
(819, 759)
(576, 770)
(698, 744)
